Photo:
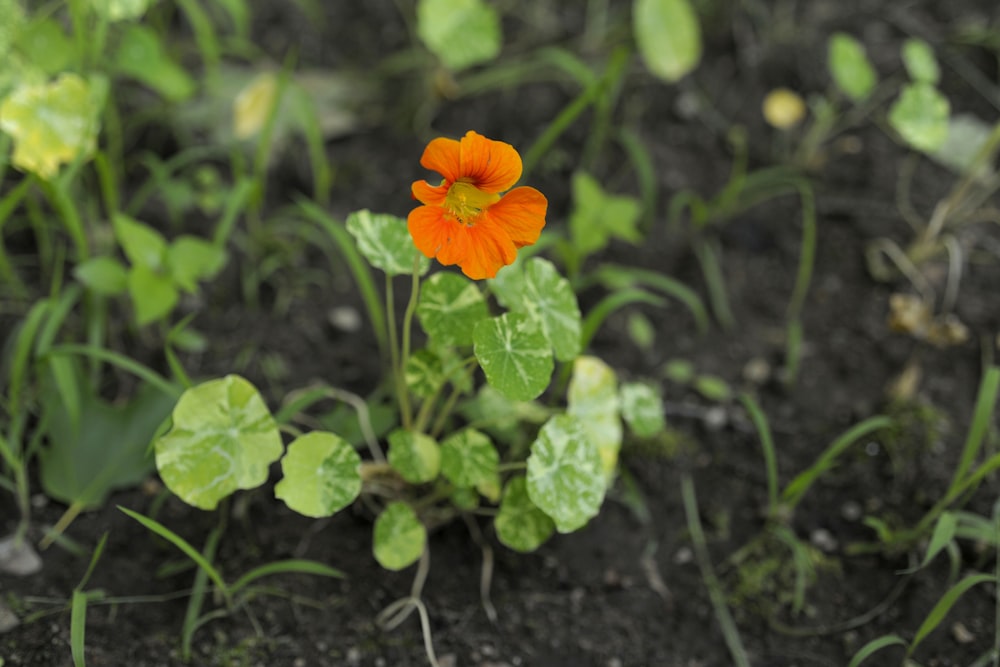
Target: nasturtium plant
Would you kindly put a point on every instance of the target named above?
(416, 456)
(849, 65)
(520, 525)
(320, 474)
(469, 458)
(53, 123)
(399, 537)
(385, 242)
(642, 409)
(920, 116)
(593, 399)
(424, 373)
(668, 36)
(566, 478)
(222, 438)
(514, 354)
(461, 33)
(450, 306)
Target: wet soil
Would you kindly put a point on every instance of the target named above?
(625, 590)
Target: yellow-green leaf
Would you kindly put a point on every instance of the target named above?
(52, 123)
(668, 36)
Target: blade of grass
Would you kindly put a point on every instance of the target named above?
(183, 545)
(616, 276)
(874, 646)
(981, 419)
(715, 593)
(944, 605)
(767, 446)
(78, 627)
(358, 267)
(793, 493)
(609, 304)
(148, 375)
(193, 618)
(291, 566)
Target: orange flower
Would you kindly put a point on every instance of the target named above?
(465, 220)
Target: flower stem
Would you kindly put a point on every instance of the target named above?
(404, 393)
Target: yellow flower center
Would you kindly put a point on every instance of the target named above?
(466, 202)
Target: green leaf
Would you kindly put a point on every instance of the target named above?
(223, 438)
(874, 646)
(520, 525)
(668, 36)
(103, 447)
(10, 28)
(501, 416)
(850, 67)
(593, 399)
(385, 242)
(141, 56)
(514, 355)
(424, 373)
(920, 116)
(320, 475)
(944, 533)
(713, 388)
(642, 409)
(119, 10)
(45, 44)
(142, 245)
(922, 66)
(450, 307)
(399, 538)
(52, 123)
(415, 456)
(967, 135)
(566, 479)
(549, 299)
(535, 288)
(945, 604)
(469, 458)
(191, 259)
(153, 294)
(598, 216)
(461, 33)
(104, 275)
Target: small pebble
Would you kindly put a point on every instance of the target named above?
(716, 418)
(345, 318)
(823, 540)
(20, 559)
(683, 556)
(851, 511)
(961, 634)
(757, 371)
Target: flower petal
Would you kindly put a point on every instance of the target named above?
(521, 213)
(427, 194)
(493, 166)
(489, 249)
(442, 156)
(430, 229)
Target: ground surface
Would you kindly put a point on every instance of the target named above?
(621, 591)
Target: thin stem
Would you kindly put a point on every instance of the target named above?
(411, 307)
(397, 370)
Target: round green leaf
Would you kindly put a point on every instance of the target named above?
(449, 308)
(52, 123)
(223, 438)
(850, 67)
(918, 57)
(320, 475)
(104, 275)
(514, 355)
(469, 458)
(550, 299)
(592, 398)
(642, 409)
(920, 116)
(520, 525)
(668, 36)
(460, 33)
(385, 242)
(565, 477)
(119, 10)
(415, 456)
(423, 373)
(400, 538)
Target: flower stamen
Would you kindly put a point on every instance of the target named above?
(466, 202)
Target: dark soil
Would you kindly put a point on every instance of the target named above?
(621, 591)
